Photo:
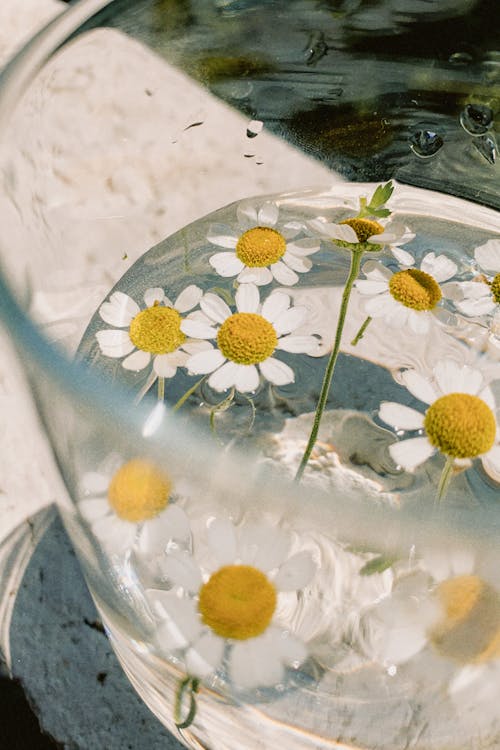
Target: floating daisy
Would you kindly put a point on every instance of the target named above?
(460, 421)
(408, 297)
(481, 296)
(453, 615)
(247, 339)
(234, 607)
(130, 504)
(262, 248)
(153, 332)
(367, 235)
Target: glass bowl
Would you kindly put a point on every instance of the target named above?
(251, 257)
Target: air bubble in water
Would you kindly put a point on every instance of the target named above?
(425, 143)
(476, 119)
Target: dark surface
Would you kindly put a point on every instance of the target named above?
(64, 662)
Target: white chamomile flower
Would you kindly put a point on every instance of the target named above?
(481, 296)
(261, 248)
(453, 614)
(367, 235)
(247, 339)
(234, 607)
(408, 297)
(130, 505)
(153, 332)
(460, 421)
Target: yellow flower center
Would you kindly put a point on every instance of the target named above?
(139, 491)
(157, 330)
(460, 425)
(495, 288)
(415, 289)
(260, 246)
(247, 338)
(238, 601)
(470, 629)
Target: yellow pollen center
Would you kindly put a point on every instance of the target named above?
(460, 425)
(495, 288)
(238, 601)
(364, 228)
(157, 330)
(247, 338)
(415, 289)
(469, 631)
(139, 491)
(260, 246)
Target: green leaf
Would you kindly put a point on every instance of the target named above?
(377, 565)
(380, 212)
(381, 195)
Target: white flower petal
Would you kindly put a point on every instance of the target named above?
(473, 289)
(267, 215)
(111, 528)
(491, 463)
(486, 394)
(182, 620)
(222, 236)
(120, 310)
(342, 232)
(277, 372)
(204, 656)
(295, 573)
(400, 417)
(290, 320)
(440, 267)
(188, 298)
(419, 386)
(226, 264)
(221, 536)
(471, 307)
(158, 532)
(283, 274)
(292, 650)
(369, 286)
(411, 453)
(154, 295)
(224, 377)
(204, 362)
(198, 329)
(114, 343)
(264, 546)
(419, 321)
(403, 257)
(192, 346)
(298, 344)
(247, 378)
(182, 570)
(163, 367)
(255, 664)
(258, 276)
(304, 247)
(94, 482)
(291, 229)
(94, 508)
(275, 305)
(488, 255)
(381, 305)
(453, 378)
(465, 677)
(376, 271)
(246, 214)
(215, 307)
(301, 265)
(402, 643)
(137, 361)
(247, 298)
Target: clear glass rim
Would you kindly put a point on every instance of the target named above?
(386, 527)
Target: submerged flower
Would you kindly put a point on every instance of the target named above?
(153, 332)
(234, 606)
(365, 234)
(460, 421)
(262, 248)
(247, 339)
(130, 504)
(452, 612)
(481, 296)
(409, 296)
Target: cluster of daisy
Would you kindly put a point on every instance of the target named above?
(221, 614)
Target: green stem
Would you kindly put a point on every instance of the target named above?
(161, 389)
(361, 331)
(190, 684)
(444, 479)
(327, 379)
(188, 393)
